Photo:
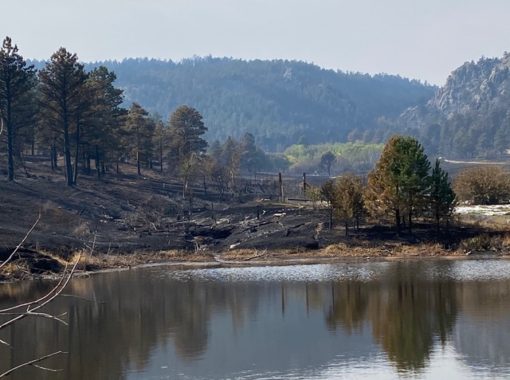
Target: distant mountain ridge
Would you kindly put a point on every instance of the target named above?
(470, 115)
(280, 102)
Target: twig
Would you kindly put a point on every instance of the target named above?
(46, 368)
(32, 307)
(21, 243)
(54, 289)
(5, 343)
(45, 299)
(32, 362)
(44, 315)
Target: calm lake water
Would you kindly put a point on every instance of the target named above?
(431, 319)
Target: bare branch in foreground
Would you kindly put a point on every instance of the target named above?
(21, 243)
(32, 308)
(43, 301)
(33, 363)
(43, 315)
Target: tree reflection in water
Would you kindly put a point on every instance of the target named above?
(133, 315)
(406, 312)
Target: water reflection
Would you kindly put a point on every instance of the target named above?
(343, 320)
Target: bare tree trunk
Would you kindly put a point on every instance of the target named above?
(77, 153)
(397, 220)
(161, 155)
(10, 136)
(88, 163)
(96, 159)
(138, 169)
(280, 183)
(51, 159)
(67, 149)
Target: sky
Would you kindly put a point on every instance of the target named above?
(420, 39)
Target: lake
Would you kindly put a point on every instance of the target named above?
(408, 319)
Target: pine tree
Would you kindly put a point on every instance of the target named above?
(103, 137)
(161, 140)
(139, 134)
(441, 196)
(61, 87)
(399, 182)
(16, 97)
(187, 129)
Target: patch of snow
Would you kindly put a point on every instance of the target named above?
(485, 210)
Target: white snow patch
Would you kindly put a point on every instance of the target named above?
(483, 210)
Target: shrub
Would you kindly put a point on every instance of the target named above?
(485, 185)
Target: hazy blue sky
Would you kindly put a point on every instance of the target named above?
(423, 39)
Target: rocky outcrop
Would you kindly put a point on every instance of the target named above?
(469, 116)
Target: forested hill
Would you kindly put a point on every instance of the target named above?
(468, 117)
(280, 102)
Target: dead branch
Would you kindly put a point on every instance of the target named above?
(21, 243)
(43, 301)
(43, 315)
(44, 297)
(32, 308)
(33, 362)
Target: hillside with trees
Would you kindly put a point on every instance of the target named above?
(468, 117)
(280, 102)
(65, 110)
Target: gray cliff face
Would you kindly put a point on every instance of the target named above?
(474, 86)
(469, 116)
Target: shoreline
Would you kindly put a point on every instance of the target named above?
(102, 263)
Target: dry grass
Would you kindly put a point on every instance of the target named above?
(111, 261)
(343, 250)
(15, 270)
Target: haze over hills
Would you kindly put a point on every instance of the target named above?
(280, 102)
(289, 102)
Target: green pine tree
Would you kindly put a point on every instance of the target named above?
(187, 129)
(61, 86)
(398, 184)
(442, 197)
(16, 97)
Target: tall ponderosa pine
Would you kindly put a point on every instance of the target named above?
(161, 140)
(104, 134)
(61, 85)
(252, 158)
(139, 134)
(17, 81)
(400, 180)
(187, 129)
(442, 197)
